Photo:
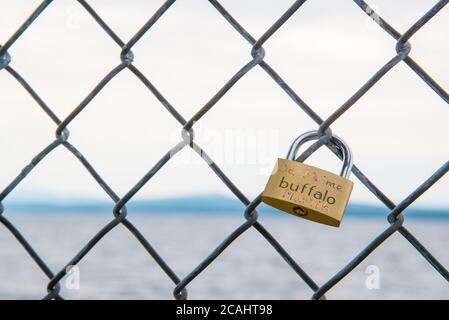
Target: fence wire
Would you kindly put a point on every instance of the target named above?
(395, 217)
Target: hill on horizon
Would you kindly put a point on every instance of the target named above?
(200, 204)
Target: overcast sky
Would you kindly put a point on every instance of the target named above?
(398, 132)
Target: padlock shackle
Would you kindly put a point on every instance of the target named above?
(340, 143)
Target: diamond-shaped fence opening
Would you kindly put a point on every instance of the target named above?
(250, 219)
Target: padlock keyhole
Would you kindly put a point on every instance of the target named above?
(300, 211)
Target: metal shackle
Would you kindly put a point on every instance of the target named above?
(314, 135)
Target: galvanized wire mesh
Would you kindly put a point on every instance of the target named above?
(251, 218)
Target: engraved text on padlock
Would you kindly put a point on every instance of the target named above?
(307, 191)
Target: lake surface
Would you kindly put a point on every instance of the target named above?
(119, 268)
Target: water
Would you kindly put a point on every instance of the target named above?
(119, 268)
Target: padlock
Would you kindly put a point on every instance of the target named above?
(309, 192)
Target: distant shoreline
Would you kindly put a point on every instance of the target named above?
(204, 205)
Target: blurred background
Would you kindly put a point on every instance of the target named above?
(325, 52)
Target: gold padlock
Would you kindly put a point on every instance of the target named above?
(309, 192)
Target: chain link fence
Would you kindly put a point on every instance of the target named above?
(395, 218)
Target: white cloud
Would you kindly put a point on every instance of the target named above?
(398, 131)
